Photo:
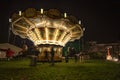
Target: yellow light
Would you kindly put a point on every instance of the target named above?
(66, 39)
(20, 31)
(32, 35)
(65, 15)
(20, 13)
(56, 33)
(74, 33)
(29, 22)
(109, 57)
(83, 29)
(10, 20)
(38, 33)
(61, 38)
(22, 27)
(79, 22)
(46, 33)
(72, 27)
(41, 10)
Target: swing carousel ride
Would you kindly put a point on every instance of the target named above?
(45, 29)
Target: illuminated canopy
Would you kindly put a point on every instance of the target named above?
(48, 27)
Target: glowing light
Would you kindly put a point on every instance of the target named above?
(20, 13)
(29, 22)
(21, 27)
(20, 31)
(108, 57)
(115, 59)
(83, 29)
(72, 27)
(61, 38)
(79, 22)
(66, 40)
(56, 33)
(32, 35)
(65, 15)
(41, 10)
(46, 33)
(38, 33)
(10, 20)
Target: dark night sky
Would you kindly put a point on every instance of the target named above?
(100, 18)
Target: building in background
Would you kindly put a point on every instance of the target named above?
(95, 47)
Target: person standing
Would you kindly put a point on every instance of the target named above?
(35, 56)
(36, 51)
(9, 54)
(74, 54)
(67, 55)
(52, 56)
(46, 55)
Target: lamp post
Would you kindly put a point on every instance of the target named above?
(79, 22)
(9, 29)
(83, 41)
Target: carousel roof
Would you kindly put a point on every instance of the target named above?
(48, 27)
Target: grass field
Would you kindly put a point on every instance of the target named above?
(88, 70)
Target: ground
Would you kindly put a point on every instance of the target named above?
(86, 70)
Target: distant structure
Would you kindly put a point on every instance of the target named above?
(46, 29)
(108, 56)
(112, 49)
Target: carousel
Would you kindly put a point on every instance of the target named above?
(45, 29)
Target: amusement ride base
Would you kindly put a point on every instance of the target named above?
(45, 53)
